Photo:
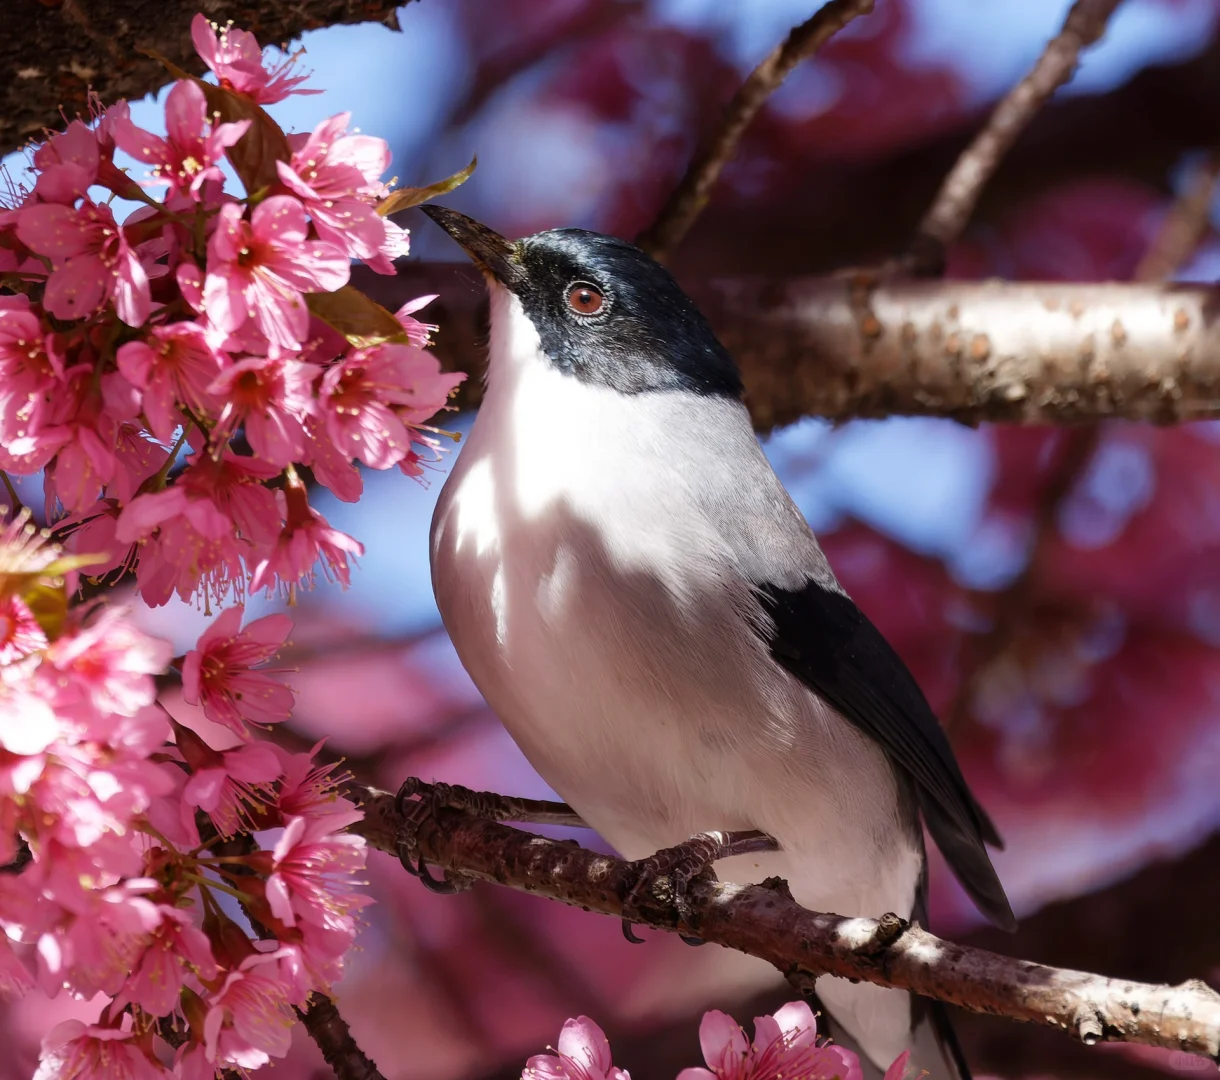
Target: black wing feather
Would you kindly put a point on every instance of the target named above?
(821, 637)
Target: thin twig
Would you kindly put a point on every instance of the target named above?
(764, 921)
(330, 1031)
(1185, 225)
(693, 191)
(960, 190)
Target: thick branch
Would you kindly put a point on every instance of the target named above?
(974, 351)
(764, 921)
(959, 193)
(695, 188)
(53, 51)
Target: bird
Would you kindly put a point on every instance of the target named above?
(643, 606)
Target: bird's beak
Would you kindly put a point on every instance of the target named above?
(489, 251)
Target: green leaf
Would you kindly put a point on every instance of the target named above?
(254, 155)
(413, 196)
(362, 321)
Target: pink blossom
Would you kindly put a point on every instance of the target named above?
(93, 262)
(158, 977)
(235, 782)
(173, 367)
(357, 399)
(137, 458)
(73, 1051)
(29, 370)
(108, 665)
(188, 155)
(28, 725)
(418, 333)
(67, 164)
(785, 1048)
(312, 862)
(250, 1020)
(20, 634)
(308, 789)
(218, 673)
(271, 396)
(396, 245)
(330, 467)
(234, 55)
(15, 977)
(258, 269)
(337, 176)
(583, 1054)
(306, 537)
(898, 1068)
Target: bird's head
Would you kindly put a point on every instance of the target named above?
(602, 311)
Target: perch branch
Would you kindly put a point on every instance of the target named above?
(695, 188)
(764, 921)
(960, 190)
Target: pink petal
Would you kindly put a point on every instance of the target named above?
(721, 1035)
(583, 1041)
(898, 1069)
(132, 299)
(185, 113)
(77, 289)
(269, 630)
(53, 231)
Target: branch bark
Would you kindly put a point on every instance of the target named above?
(960, 190)
(695, 188)
(330, 1031)
(843, 347)
(52, 52)
(764, 921)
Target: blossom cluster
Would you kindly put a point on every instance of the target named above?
(786, 1046)
(173, 374)
(131, 834)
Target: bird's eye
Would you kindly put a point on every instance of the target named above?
(585, 299)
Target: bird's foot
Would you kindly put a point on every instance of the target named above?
(419, 804)
(666, 875)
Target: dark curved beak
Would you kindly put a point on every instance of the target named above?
(488, 250)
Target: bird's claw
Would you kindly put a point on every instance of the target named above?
(418, 804)
(666, 875)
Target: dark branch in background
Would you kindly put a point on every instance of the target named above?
(764, 921)
(695, 188)
(959, 193)
(1043, 352)
(52, 52)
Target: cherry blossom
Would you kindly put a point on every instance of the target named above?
(219, 672)
(73, 1051)
(583, 1054)
(785, 1047)
(259, 269)
(188, 156)
(93, 261)
(236, 58)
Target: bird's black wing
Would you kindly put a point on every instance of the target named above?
(820, 636)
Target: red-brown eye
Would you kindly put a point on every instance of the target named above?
(585, 299)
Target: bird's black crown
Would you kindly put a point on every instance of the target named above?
(644, 335)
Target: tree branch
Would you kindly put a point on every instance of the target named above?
(960, 190)
(840, 347)
(764, 921)
(330, 1031)
(695, 188)
(54, 51)
(1185, 225)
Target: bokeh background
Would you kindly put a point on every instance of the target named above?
(1056, 591)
